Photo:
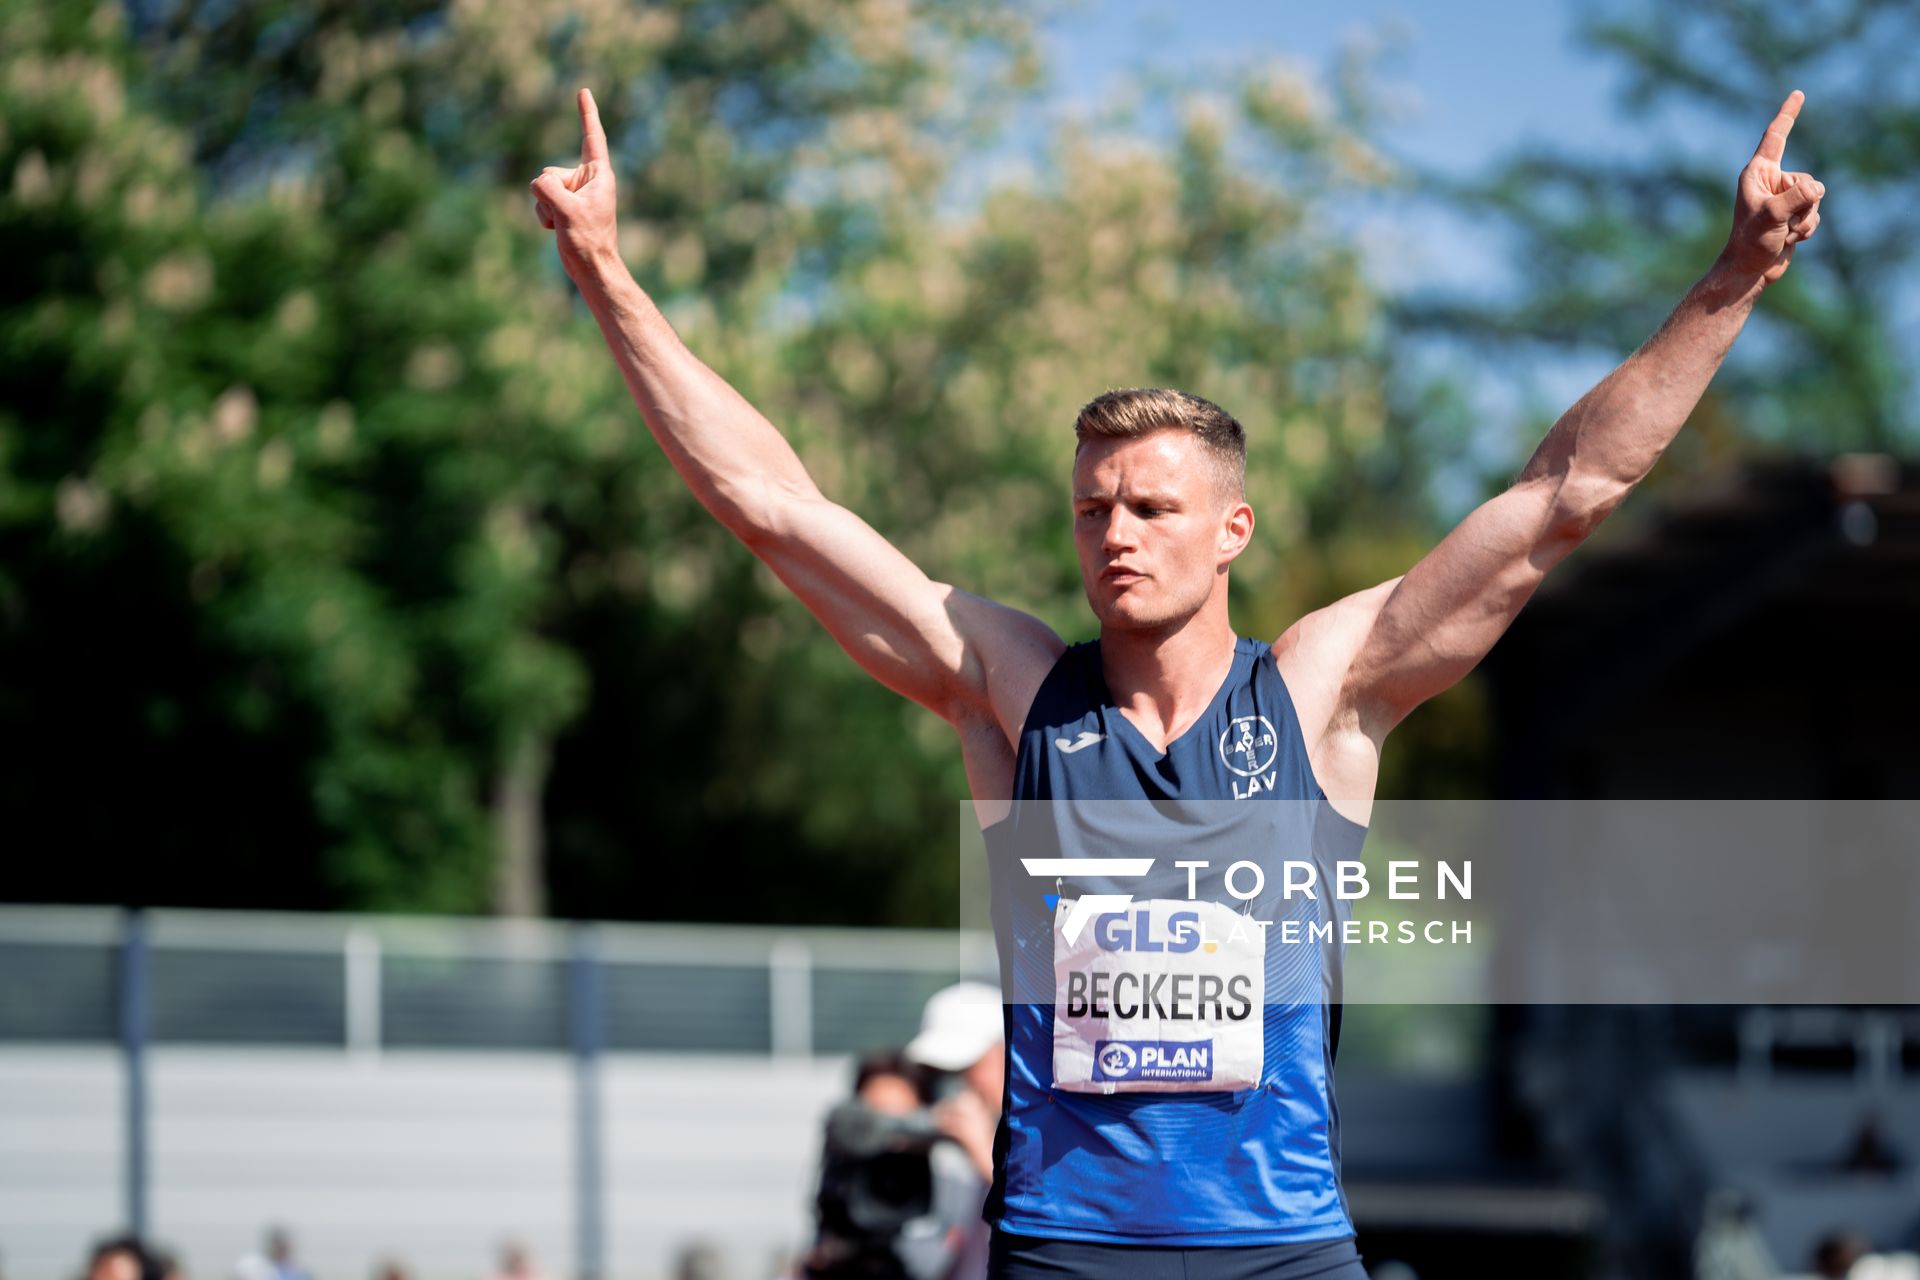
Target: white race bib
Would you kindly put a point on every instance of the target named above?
(1161, 996)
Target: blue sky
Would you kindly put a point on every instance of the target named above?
(1470, 80)
(1483, 74)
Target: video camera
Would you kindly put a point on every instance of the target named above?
(876, 1178)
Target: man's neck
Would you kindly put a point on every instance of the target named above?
(1163, 679)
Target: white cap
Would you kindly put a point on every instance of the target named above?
(960, 1025)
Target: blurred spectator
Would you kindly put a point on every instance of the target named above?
(699, 1260)
(1886, 1266)
(1834, 1257)
(899, 1197)
(1730, 1246)
(1870, 1151)
(516, 1263)
(280, 1256)
(391, 1269)
(122, 1258)
(962, 1040)
(887, 1083)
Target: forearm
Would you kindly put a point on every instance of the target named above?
(735, 461)
(1436, 622)
(1608, 441)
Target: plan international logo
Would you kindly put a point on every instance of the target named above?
(1181, 1060)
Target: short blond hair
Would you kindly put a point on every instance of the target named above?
(1132, 412)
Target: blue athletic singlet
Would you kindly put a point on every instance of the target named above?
(1254, 1165)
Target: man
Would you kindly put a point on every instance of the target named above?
(894, 1200)
(516, 1263)
(122, 1258)
(962, 1040)
(1232, 1180)
(277, 1263)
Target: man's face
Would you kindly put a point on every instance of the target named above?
(988, 1077)
(1153, 530)
(890, 1094)
(115, 1264)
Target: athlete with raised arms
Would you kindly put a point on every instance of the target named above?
(1178, 1179)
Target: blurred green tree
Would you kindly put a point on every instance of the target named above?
(354, 408)
(424, 622)
(1610, 236)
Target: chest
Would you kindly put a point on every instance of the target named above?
(1242, 749)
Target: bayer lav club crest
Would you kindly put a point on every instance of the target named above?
(1248, 745)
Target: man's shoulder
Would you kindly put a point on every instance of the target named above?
(1341, 626)
(1315, 657)
(1010, 653)
(1316, 652)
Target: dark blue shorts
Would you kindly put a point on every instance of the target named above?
(1030, 1258)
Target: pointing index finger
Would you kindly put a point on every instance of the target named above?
(1773, 143)
(593, 139)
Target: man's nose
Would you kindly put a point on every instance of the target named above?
(1122, 532)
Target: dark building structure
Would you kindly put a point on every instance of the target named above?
(1752, 638)
(1757, 637)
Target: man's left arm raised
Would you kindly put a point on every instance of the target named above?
(1360, 665)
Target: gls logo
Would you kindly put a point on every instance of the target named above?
(1113, 933)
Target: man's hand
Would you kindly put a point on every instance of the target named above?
(965, 1118)
(1773, 210)
(578, 203)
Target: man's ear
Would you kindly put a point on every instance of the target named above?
(1236, 530)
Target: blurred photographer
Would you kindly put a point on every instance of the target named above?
(962, 1045)
(908, 1159)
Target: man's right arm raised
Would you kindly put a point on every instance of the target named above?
(965, 658)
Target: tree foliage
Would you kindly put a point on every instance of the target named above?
(335, 566)
(1610, 238)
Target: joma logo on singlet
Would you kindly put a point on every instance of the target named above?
(1248, 747)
